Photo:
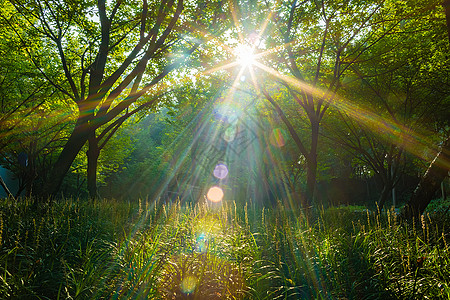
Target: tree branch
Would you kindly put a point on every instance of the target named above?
(288, 124)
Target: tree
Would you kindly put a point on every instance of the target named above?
(370, 150)
(429, 184)
(439, 168)
(446, 5)
(108, 55)
(401, 97)
(321, 42)
(32, 127)
(317, 39)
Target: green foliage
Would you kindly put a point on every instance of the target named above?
(60, 250)
(439, 205)
(137, 158)
(121, 250)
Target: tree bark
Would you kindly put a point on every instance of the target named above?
(387, 188)
(311, 156)
(429, 184)
(446, 5)
(311, 164)
(76, 141)
(388, 180)
(92, 156)
(5, 187)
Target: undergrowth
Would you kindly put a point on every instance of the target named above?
(107, 249)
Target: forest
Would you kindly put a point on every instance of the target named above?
(224, 149)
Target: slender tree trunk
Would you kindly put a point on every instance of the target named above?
(443, 191)
(76, 141)
(311, 179)
(92, 155)
(30, 172)
(387, 188)
(293, 194)
(311, 163)
(385, 176)
(429, 184)
(446, 5)
(5, 187)
(30, 177)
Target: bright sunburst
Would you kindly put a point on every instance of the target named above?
(245, 55)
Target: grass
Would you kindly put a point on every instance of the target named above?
(118, 250)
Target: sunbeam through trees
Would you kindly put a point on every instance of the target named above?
(224, 149)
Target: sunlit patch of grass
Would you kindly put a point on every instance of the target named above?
(201, 276)
(185, 252)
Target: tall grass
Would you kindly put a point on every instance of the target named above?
(109, 249)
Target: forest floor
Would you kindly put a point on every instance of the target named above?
(108, 249)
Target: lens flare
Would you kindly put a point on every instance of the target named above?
(188, 284)
(277, 137)
(201, 243)
(229, 134)
(226, 112)
(215, 194)
(220, 171)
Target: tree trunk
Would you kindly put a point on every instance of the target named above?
(386, 177)
(443, 191)
(92, 155)
(30, 172)
(384, 195)
(76, 141)
(429, 184)
(311, 179)
(446, 5)
(5, 187)
(311, 164)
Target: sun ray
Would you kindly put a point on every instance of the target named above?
(237, 23)
(236, 79)
(396, 133)
(293, 81)
(225, 66)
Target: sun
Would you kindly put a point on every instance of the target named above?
(245, 55)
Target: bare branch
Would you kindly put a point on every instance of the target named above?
(322, 48)
(288, 124)
(111, 114)
(67, 73)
